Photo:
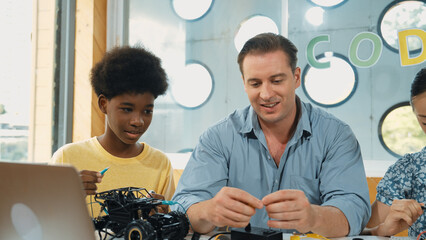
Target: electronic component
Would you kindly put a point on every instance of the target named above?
(255, 233)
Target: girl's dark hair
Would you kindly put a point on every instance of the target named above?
(128, 70)
(418, 86)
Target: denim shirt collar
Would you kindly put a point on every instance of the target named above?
(251, 122)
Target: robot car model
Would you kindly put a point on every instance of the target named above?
(131, 214)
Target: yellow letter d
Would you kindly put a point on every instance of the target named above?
(403, 47)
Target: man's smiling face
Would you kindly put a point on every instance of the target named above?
(270, 85)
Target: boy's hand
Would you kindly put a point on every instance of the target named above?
(89, 180)
(161, 208)
(403, 213)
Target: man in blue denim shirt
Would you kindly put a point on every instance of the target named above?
(279, 162)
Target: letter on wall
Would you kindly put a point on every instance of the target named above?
(310, 55)
(375, 55)
(403, 46)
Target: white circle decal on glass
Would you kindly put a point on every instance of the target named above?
(251, 27)
(330, 86)
(327, 3)
(315, 16)
(26, 222)
(193, 86)
(191, 9)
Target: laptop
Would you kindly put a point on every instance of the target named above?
(42, 202)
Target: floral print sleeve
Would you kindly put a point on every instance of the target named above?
(406, 179)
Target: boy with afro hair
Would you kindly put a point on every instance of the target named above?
(127, 81)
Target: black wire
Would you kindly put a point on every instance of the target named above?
(91, 207)
(100, 235)
(195, 236)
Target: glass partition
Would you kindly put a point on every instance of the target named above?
(15, 75)
(197, 42)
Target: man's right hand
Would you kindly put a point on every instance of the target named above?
(89, 180)
(230, 207)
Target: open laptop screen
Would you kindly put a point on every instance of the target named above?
(42, 202)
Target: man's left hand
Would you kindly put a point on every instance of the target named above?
(290, 209)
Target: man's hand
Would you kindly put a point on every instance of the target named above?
(290, 209)
(403, 213)
(230, 207)
(89, 180)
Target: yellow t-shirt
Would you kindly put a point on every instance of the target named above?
(151, 169)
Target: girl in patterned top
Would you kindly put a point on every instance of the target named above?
(401, 193)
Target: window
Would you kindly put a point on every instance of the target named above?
(401, 15)
(191, 9)
(399, 130)
(315, 16)
(15, 75)
(328, 3)
(193, 86)
(330, 87)
(251, 27)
